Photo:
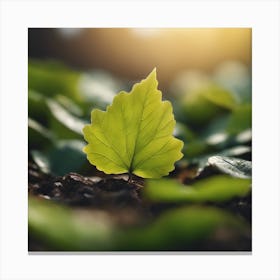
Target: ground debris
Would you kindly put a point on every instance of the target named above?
(77, 190)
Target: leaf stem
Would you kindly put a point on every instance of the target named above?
(129, 178)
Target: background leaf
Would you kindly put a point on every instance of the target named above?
(241, 119)
(51, 78)
(214, 189)
(66, 156)
(63, 157)
(38, 136)
(232, 166)
(62, 229)
(183, 229)
(63, 123)
(206, 102)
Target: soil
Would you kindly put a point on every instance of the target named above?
(118, 196)
(77, 190)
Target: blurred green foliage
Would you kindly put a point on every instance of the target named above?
(59, 104)
(61, 228)
(182, 229)
(238, 168)
(214, 118)
(240, 119)
(213, 112)
(206, 102)
(215, 189)
(51, 78)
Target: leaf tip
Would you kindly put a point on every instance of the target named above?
(153, 74)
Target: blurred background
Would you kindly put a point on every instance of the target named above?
(132, 53)
(205, 73)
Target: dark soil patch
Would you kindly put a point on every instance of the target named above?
(77, 190)
(123, 201)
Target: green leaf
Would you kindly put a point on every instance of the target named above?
(241, 119)
(206, 102)
(70, 105)
(184, 229)
(38, 135)
(183, 132)
(214, 189)
(61, 158)
(134, 134)
(51, 78)
(37, 108)
(236, 77)
(61, 229)
(220, 97)
(244, 137)
(41, 160)
(195, 148)
(237, 151)
(66, 156)
(232, 166)
(99, 88)
(64, 124)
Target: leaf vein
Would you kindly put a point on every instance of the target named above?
(109, 159)
(156, 153)
(138, 128)
(111, 147)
